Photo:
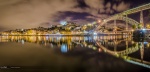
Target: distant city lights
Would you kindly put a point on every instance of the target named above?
(99, 21)
(143, 29)
(95, 33)
(63, 22)
(93, 22)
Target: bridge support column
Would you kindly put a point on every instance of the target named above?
(106, 25)
(115, 45)
(141, 19)
(126, 45)
(142, 51)
(106, 43)
(126, 23)
(115, 26)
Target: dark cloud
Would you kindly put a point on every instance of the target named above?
(82, 4)
(79, 18)
(75, 15)
(33, 13)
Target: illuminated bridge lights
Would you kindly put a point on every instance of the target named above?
(129, 20)
(121, 15)
(94, 33)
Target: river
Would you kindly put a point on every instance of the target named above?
(74, 54)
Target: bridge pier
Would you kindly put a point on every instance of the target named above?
(115, 46)
(126, 45)
(115, 28)
(126, 23)
(142, 51)
(141, 19)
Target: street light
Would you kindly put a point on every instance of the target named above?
(99, 21)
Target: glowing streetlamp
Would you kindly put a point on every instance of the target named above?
(99, 21)
(132, 30)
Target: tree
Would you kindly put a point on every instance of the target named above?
(148, 26)
(140, 26)
(134, 26)
(84, 27)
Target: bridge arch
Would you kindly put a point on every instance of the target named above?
(126, 19)
(121, 53)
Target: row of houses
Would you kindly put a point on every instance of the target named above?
(69, 28)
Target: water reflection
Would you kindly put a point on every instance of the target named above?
(63, 42)
(135, 52)
(132, 52)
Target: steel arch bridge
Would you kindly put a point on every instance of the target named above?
(126, 19)
(123, 16)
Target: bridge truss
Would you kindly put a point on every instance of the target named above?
(123, 16)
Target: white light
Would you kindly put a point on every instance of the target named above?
(95, 33)
(22, 41)
(63, 22)
(143, 29)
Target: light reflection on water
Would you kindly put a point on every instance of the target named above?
(123, 47)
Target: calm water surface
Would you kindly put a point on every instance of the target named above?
(74, 54)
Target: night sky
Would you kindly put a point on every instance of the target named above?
(17, 14)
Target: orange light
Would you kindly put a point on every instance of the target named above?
(99, 21)
(100, 50)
